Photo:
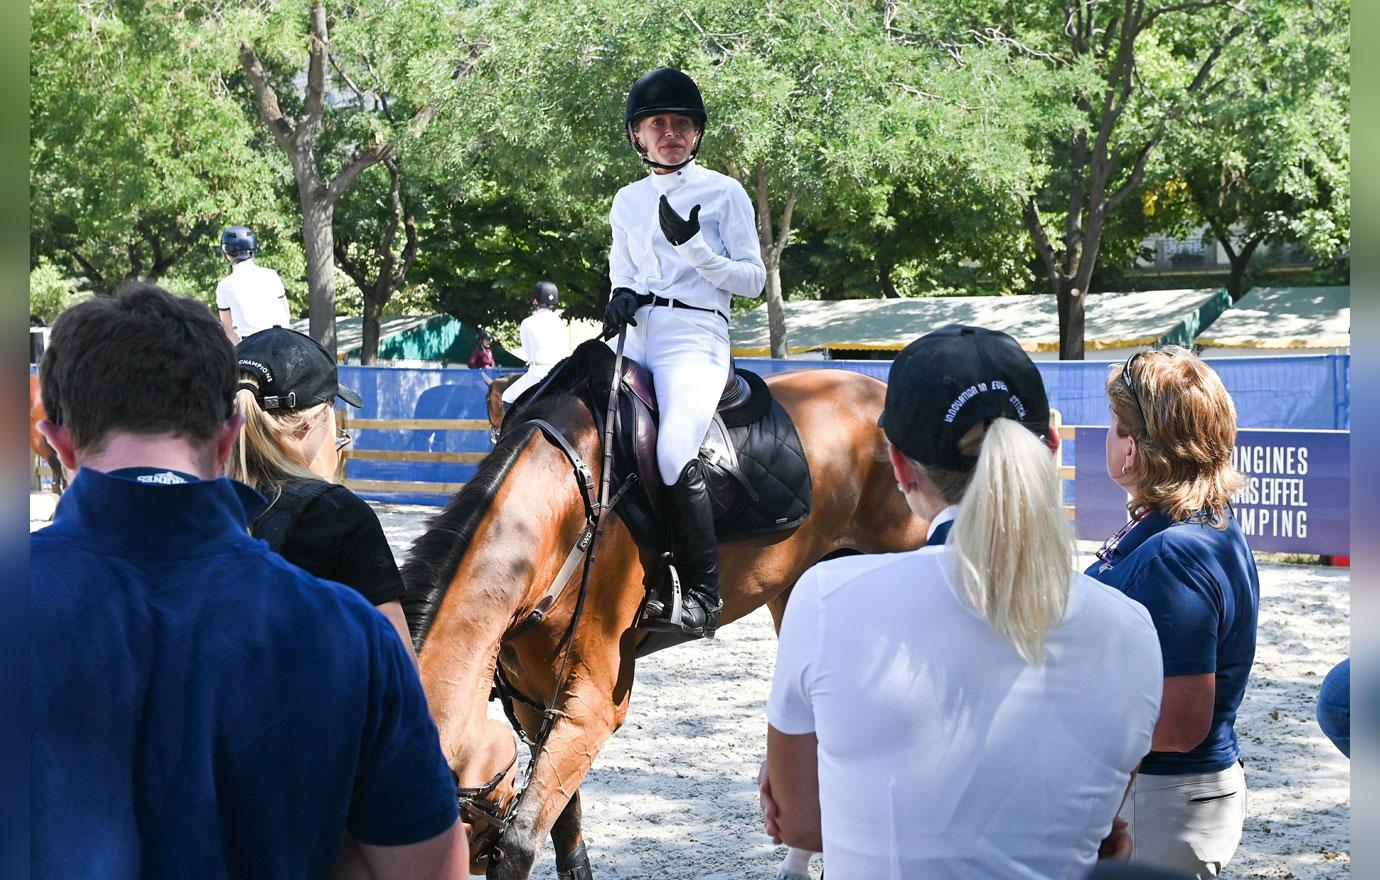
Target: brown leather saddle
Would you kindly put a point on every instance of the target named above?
(635, 440)
(759, 481)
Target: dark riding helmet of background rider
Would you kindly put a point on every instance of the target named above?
(546, 295)
(238, 243)
(664, 90)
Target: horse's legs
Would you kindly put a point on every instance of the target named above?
(572, 861)
(59, 478)
(588, 717)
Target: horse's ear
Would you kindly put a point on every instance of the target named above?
(486, 378)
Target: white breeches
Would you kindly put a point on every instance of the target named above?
(534, 374)
(687, 353)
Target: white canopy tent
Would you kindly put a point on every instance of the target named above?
(1115, 323)
(1282, 320)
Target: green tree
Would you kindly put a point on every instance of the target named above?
(813, 108)
(50, 292)
(1266, 157)
(139, 153)
(1129, 70)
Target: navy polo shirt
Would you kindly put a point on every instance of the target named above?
(1201, 588)
(202, 708)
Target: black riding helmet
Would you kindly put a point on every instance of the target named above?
(664, 90)
(545, 295)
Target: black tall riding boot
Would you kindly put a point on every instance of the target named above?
(697, 560)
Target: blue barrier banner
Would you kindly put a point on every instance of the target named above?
(1297, 496)
(1288, 391)
(417, 393)
(1283, 391)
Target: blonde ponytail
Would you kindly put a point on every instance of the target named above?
(261, 456)
(1013, 548)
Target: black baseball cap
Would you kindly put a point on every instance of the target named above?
(951, 379)
(294, 371)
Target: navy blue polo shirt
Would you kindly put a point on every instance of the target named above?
(1201, 588)
(202, 708)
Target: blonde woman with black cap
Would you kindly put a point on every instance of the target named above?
(974, 708)
(288, 451)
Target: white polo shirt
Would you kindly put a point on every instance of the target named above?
(942, 754)
(255, 298)
(545, 340)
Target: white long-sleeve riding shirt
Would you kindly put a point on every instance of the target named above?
(724, 260)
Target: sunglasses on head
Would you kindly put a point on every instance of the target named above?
(342, 439)
(1131, 389)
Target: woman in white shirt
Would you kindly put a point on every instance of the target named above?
(974, 708)
(684, 243)
(544, 339)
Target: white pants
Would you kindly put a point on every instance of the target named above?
(1189, 822)
(534, 374)
(687, 353)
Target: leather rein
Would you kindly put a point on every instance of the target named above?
(475, 802)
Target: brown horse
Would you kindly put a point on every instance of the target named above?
(485, 561)
(37, 442)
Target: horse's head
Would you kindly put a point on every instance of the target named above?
(493, 402)
(477, 571)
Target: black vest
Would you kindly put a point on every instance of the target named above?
(281, 515)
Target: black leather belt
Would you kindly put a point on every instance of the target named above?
(650, 299)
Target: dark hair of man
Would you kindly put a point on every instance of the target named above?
(142, 361)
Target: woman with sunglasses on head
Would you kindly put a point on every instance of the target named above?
(1184, 557)
(288, 450)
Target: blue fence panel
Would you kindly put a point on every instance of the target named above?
(1302, 392)
(418, 393)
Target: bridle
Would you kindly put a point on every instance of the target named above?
(476, 803)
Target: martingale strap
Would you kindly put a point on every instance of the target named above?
(475, 801)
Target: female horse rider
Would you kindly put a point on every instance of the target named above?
(684, 243)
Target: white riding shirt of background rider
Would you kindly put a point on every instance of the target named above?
(255, 298)
(686, 350)
(545, 341)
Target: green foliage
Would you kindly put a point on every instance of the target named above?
(899, 154)
(1268, 152)
(140, 152)
(908, 133)
(50, 292)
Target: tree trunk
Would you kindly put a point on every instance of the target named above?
(318, 243)
(374, 302)
(773, 243)
(776, 309)
(884, 278)
(1071, 302)
(1237, 285)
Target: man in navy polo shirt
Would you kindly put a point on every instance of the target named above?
(200, 707)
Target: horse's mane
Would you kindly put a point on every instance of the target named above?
(435, 556)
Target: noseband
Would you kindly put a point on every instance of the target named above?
(477, 804)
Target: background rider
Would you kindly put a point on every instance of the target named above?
(251, 298)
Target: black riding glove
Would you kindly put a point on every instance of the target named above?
(677, 229)
(620, 310)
